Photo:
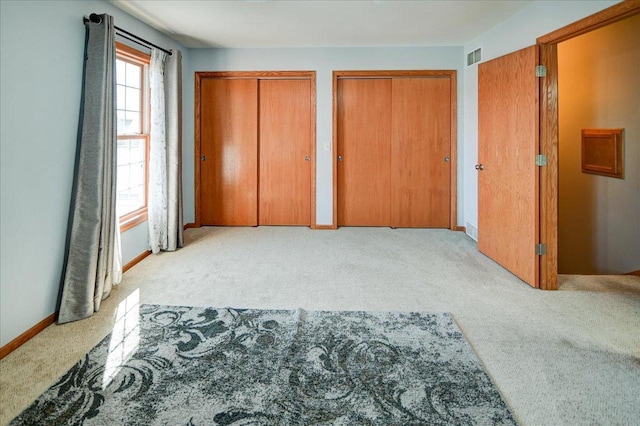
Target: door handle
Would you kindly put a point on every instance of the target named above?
(204, 158)
(339, 157)
(479, 167)
(307, 158)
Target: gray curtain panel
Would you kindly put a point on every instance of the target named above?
(173, 132)
(165, 155)
(92, 262)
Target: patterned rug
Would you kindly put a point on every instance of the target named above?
(174, 365)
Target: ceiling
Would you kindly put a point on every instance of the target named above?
(275, 23)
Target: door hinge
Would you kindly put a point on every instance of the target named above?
(541, 71)
(541, 160)
(541, 249)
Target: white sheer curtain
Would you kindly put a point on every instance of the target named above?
(165, 163)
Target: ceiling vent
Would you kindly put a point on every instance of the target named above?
(474, 57)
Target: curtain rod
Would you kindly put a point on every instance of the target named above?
(94, 17)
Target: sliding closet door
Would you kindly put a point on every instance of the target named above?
(364, 146)
(229, 161)
(420, 153)
(285, 152)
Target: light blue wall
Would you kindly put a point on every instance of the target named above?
(41, 72)
(42, 45)
(324, 61)
(517, 32)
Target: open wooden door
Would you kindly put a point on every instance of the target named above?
(508, 200)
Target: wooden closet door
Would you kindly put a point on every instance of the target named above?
(285, 152)
(420, 153)
(363, 154)
(229, 163)
(508, 178)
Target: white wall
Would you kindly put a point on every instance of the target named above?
(599, 88)
(519, 31)
(324, 61)
(42, 45)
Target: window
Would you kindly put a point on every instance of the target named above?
(132, 109)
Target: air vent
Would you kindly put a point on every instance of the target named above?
(472, 231)
(474, 57)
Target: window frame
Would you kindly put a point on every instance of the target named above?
(128, 54)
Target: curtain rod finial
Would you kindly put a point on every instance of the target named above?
(94, 17)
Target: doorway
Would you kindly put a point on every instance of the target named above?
(549, 125)
(598, 92)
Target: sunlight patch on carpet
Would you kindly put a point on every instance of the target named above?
(125, 337)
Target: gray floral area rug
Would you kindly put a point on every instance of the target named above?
(174, 365)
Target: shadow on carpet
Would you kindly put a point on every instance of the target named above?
(204, 366)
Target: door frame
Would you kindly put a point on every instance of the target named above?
(451, 75)
(549, 130)
(259, 75)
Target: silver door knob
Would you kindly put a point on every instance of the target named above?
(446, 159)
(479, 167)
(307, 158)
(204, 158)
(339, 157)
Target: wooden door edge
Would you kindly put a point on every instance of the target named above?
(607, 16)
(547, 46)
(324, 227)
(258, 75)
(453, 222)
(334, 147)
(392, 73)
(548, 214)
(538, 172)
(314, 153)
(197, 149)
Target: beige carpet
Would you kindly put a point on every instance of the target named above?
(569, 357)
